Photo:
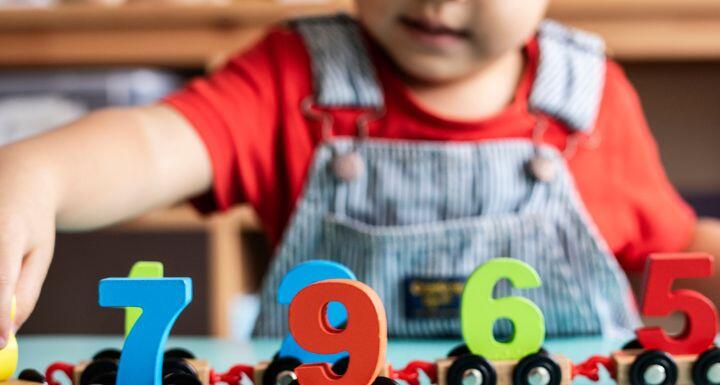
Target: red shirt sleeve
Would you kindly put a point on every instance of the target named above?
(655, 217)
(247, 114)
(235, 113)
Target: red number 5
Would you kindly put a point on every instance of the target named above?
(660, 300)
(364, 337)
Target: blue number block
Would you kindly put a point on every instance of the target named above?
(161, 300)
(300, 277)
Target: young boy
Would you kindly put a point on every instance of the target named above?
(413, 146)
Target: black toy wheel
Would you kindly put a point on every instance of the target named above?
(458, 351)
(178, 365)
(179, 353)
(180, 379)
(537, 369)
(706, 370)
(632, 344)
(280, 371)
(105, 379)
(384, 381)
(99, 372)
(471, 369)
(341, 365)
(653, 367)
(107, 354)
(32, 375)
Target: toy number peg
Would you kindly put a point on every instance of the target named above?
(479, 311)
(660, 300)
(141, 269)
(300, 277)
(364, 337)
(161, 301)
(9, 355)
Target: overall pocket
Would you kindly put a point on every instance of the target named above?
(384, 257)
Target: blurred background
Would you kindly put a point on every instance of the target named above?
(62, 58)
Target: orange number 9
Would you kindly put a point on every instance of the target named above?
(364, 337)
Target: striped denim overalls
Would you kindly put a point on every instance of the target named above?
(436, 209)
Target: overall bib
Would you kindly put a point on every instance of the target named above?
(436, 210)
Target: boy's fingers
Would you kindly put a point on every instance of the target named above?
(10, 257)
(29, 285)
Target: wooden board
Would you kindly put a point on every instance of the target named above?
(245, 13)
(504, 370)
(201, 367)
(195, 35)
(648, 29)
(624, 359)
(176, 36)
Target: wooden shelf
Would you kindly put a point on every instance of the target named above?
(634, 9)
(181, 218)
(192, 36)
(649, 29)
(242, 13)
(186, 218)
(189, 36)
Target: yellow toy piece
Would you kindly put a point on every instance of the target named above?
(142, 269)
(9, 355)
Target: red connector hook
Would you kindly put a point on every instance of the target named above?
(233, 376)
(411, 374)
(590, 368)
(66, 368)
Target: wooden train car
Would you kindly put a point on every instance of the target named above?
(464, 368)
(655, 367)
(180, 367)
(22, 382)
(28, 377)
(280, 371)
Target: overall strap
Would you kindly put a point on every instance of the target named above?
(568, 85)
(570, 76)
(343, 75)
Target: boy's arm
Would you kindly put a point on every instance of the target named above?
(116, 164)
(707, 240)
(707, 237)
(109, 166)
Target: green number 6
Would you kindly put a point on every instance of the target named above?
(479, 311)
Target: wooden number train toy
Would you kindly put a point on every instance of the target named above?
(338, 335)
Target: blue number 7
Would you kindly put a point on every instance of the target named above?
(161, 300)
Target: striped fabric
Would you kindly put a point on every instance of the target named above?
(342, 73)
(427, 209)
(570, 77)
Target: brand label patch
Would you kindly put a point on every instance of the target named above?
(433, 297)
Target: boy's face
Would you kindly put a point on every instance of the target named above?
(446, 40)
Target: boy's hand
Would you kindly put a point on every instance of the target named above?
(27, 232)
